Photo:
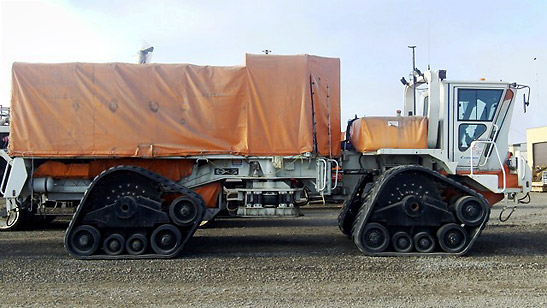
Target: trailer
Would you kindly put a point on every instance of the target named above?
(145, 153)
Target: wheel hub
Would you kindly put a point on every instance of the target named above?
(471, 210)
(114, 245)
(403, 242)
(83, 240)
(125, 207)
(413, 206)
(374, 238)
(166, 239)
(424, 242)
(136, 244)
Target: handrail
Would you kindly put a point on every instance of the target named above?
(490, 149)
(523, 164)
(473, 143)
(2, 191)
(4, 176)
(322, 175)
(336, 175)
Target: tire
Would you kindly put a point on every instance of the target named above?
(452, 238)
(114, 244)
(16, 220)
(402, 242)
(136, 244)
(84, 241)
(166, 239)
(183, 211)
(470, 211)
(424, 242)
(375, 238)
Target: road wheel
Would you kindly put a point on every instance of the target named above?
(402, 242)
(114, 244)
(452, 238)
(424, 242)
(375, 237)
(166, 239)
(136, 244)
(469, 211)
(85, 239)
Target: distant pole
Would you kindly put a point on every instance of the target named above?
(413, 47)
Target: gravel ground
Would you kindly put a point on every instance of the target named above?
(302, 262)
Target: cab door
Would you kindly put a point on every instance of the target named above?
(474, 110)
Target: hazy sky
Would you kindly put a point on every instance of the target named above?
(496, 40)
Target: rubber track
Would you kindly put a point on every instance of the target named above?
(371, 198)
(351, 207)
(167, 183)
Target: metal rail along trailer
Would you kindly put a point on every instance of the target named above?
(145, 153)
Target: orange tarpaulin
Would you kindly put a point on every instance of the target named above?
(373, 133)
(174, 169)
(159, 110)
(169, 168)
(209, 193)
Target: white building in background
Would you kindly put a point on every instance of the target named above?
(536, 146)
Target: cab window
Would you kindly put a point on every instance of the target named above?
(469, 133)
(478, 104)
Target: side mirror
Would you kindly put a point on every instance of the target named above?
(525, 103)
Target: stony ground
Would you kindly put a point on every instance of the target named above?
(299, 262)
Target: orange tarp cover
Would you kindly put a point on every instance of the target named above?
(159, 110)
(373, 133)
(171, 169)
(174, 169)
(209, 193)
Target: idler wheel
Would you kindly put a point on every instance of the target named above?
(84, 241)
(166, 239)
(402, 242)
(136, 244)
(183, 211)
(424, 242)
(114, 244)
(375, 237)
(452, 237)
(469, 211)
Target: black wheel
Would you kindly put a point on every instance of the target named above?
(402, 242)
(114, 244)
(424, 242)
(452, 237)
(375, 237)
(469, 210)
(18, 218)
(11, 220)
(84, 240)
(136, 244)
(166, 239)
(183, 211)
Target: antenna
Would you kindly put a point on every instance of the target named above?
(266, 51)
(413, 47)
(428, 60)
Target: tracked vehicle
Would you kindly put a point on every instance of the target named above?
(145, 153)
(425, 184)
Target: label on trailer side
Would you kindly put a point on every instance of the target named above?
(226, 171)
(393, 123)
